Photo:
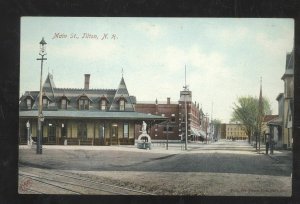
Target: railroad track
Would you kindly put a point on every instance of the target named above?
(46, 182)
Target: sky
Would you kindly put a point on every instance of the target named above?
(224, 57)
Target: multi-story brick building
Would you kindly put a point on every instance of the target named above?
(175, 112)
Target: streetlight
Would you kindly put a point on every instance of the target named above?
(28, 126)
(206, 126)
(40, 114)
(167, 134)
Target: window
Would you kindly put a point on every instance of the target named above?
(64, 130)
(170, 129)
(28, 102)
(82, 131)
(64, 103)
(122, 105)
(103, 104)
(173, 118)
(45, 103)
(126, 130)
(83, 104)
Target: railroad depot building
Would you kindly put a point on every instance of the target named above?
(82, 116)
(174, 127)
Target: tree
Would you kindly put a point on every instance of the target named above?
(246, 112)
(217, 126)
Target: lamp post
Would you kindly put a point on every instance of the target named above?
(167, 134)
(40, 114)
(28, 126)
(206, 126)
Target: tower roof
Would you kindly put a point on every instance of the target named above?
(122, 92)
(49, 86)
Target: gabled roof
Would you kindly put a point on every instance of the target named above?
(84, 95)
(275, 121)
(72, 94)
(28, 95)
(279, 96)
(289, 65)
(122, 92)
(268, 118)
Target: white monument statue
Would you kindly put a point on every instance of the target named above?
(144, 140)
(144, 128)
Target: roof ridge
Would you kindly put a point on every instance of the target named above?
(78, 89)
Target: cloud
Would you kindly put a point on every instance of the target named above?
(83, 50)
(152, 31)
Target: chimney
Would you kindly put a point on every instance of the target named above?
(168, 100)
(87, 81)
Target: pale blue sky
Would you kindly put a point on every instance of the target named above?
(225, 58)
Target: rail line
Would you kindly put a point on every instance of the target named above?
(110, 188)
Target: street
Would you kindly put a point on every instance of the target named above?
(230, 168)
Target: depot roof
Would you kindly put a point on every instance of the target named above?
(84, 114)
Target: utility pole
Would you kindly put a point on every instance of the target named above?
(260, 114)
(185, 107)
(211, 121)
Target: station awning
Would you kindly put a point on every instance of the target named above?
(92, 115)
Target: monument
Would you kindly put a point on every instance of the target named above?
(144, 140)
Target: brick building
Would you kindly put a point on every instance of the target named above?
(175, 112)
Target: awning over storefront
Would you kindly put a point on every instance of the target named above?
(275, 122)
(194, 132)
(202, 133)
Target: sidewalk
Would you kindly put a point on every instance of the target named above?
(130, 148)
(280, 155)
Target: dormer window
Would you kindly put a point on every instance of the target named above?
(84, 103)
(122, 104)
(45, 103)
(64, 103)
(29, 103)
(122, 101)
(103, 104)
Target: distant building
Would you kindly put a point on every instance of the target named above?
(223, 131)
(235, 131)
(82, 116)
(175, 112)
